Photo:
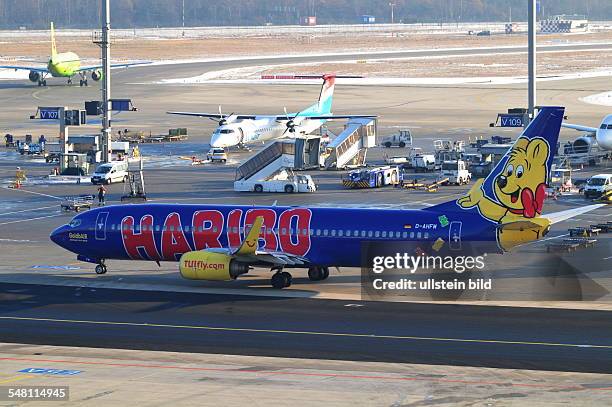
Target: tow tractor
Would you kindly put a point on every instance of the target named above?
(372, 177)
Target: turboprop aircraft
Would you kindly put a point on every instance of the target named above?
(244, 129)
(223, 242)
(64, 65)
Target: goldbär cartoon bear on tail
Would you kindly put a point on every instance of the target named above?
(520, 189)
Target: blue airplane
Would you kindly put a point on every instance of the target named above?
(222, 242)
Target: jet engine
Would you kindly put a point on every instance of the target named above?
(584, 144)
(206, 265)
(34, 76)
(96, 75)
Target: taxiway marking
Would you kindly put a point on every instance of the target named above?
(313, 333)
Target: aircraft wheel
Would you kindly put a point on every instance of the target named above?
(69, 81)
(81, 83)
(315, 273)
(289, 189)
(100, 269)
(85, 82)
(288, 278)
(279, 280)
(44, 82)
(325, 272)
(258, 188)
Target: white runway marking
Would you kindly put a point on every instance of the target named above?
(31, 219)
(35, 193)
(28, 210)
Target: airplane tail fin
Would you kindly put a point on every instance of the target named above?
(327, 94)
(53, 46)
(518, 181)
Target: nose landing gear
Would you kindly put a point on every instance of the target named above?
(101, 268)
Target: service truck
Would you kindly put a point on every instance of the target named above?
(455, 171)
(424, 162)
(401, 140)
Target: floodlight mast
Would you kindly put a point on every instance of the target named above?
(106, 83)
(531, 63)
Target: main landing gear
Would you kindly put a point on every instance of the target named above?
(316, 273)
(281, 279)
(42, 82)
(83, 80)
(101, 268)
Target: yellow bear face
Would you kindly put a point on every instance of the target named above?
(520, 186)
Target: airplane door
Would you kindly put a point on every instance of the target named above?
(101, 225)
(454, 235)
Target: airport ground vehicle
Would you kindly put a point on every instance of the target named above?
(598, 185)
(77, 203)
(283, 181)
(456, 172)
(424, 162)
(372, 177)
(114, 171)
(217, 154)
(401, 140)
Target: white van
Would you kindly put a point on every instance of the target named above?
(114, 171)
(597, 185)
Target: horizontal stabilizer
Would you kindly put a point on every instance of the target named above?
(557, 217)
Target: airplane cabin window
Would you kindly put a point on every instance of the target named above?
(333, 232)
(370, 233)
(419, 235)
(405, 235)
(412, 235)
(377, 233)
(341, 233)
(426, 235)
(318, 232)
(384, 233)
(325, 232)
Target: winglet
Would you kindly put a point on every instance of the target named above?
(53, 47)
(250, 243)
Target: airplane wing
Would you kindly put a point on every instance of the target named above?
(126, 65)
(326, 117)
(25, 68)
(557, 217)
(215, 115)
(579, 127)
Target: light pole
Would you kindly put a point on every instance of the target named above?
(392, 5)
(106, 84)
(531, 62)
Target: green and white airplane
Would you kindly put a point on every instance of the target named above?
(64, 65)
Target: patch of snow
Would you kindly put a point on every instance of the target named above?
(604, 99)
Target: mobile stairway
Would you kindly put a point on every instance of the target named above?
(349, 148)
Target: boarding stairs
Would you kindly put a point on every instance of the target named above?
(349, 148)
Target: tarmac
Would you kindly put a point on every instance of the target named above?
(57, 297)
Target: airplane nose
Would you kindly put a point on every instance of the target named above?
(57, 236)
(216, 141)
(502, 181)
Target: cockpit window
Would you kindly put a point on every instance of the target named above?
(226, 131)
(74, 223)
(609, 126)
(603, 126)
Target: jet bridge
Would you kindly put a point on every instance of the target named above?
(300, 153)
(349, 148)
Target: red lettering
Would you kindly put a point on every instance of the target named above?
(207, 228)
(267, 230)
(233, 228)
(296, 223)
(144, 239)
(173, 242)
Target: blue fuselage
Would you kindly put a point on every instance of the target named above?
(323, 236)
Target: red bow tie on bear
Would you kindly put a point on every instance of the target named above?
(533, 204)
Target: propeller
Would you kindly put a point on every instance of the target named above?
(290, 123)
(223, 119)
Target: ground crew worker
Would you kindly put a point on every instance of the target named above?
(101, 195)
